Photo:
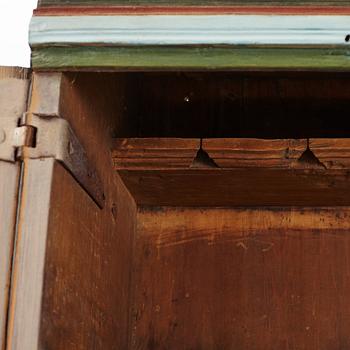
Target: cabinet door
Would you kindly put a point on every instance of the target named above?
(13, 99)
(71, 269)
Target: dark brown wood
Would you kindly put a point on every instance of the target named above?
(79, 297)
(92, 287)
(252, 254)
(242, 279)
(239, 187)
(271, 105)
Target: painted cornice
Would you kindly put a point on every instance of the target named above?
(179, 30)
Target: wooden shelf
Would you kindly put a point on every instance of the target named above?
(249, 172)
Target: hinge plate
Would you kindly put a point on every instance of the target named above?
(52, 137)
(7, 144)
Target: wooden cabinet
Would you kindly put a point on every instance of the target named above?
(176, 176)
(206, 210)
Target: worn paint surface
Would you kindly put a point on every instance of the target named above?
(140, 58)
(190, 30)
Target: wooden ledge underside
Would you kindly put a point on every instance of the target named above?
(249, 172)
(174, 153)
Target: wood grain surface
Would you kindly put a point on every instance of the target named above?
(157, 153)
(79, 296)
(55, 10)
(262, 105)
(252, 255)
(193, 2)
(14, 85)
(242, 279)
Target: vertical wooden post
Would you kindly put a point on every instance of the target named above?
(13, 100)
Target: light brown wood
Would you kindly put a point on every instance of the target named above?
(171, 153)
(258, 279)
(13, 99)
(29, 266)
(245, 153)
(154, 153)
(9, 174)
(332, 153)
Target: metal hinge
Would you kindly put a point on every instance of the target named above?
(37, 137)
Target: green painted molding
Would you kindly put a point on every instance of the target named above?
(193, 2)
(193, 58)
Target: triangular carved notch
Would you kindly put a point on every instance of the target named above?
(309, 160)
(202, 159)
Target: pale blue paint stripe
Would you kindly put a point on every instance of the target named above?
(191, 30)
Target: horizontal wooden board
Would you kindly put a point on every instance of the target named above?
(232, 153)
(239, 187)
(242, 279)
(191, 2)
(136, 153)
(181, 10)
(228, 153)
(187, 58)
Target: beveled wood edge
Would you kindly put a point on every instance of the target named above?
(229, 153)
(183, 10)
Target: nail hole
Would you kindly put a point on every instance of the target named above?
(347, 38)
(114, 210)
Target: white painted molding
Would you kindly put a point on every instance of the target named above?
(308, 30)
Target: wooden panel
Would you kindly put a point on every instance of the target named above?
(239, 187)
(80, 254)
(13, 100)
(187, 58)
(190, 9)
(158, 153)
(229, 153)
(242, 279)
(85, 300)
(192, 2)
(234, 104)
(332, 153)
(26, 289)
(9, 174)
